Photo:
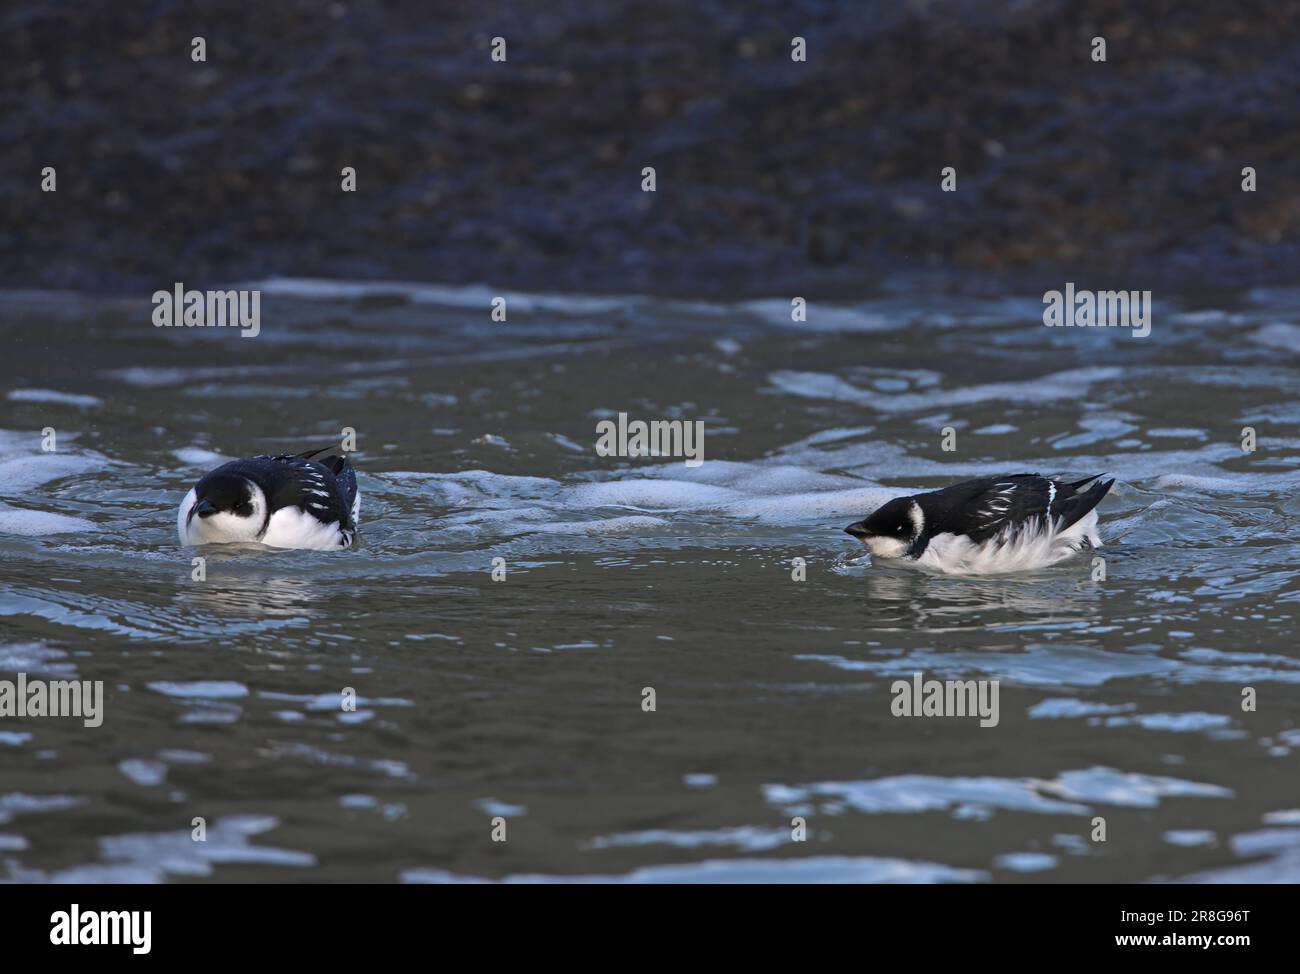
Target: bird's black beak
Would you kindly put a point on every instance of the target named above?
(857, 530)
(205, 508)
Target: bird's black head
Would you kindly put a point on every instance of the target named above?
(219, 493)
(891, 529)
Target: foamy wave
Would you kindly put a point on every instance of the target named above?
(776, 311)
(814, 869)
(1278, 335)
(653, 494)
(609, 525)
(34, 523)
(54, 397)
(197, 456)
(475, 296)
(25, 466)
(1070, 384)
(1231, 482)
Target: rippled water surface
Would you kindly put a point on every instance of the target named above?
(521, 699)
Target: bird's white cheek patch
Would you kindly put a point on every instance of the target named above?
(886, 547)
(182, 515)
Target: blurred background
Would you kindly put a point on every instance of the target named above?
(771, 174)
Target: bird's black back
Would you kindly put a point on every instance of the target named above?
(983, 508)
(325, 487)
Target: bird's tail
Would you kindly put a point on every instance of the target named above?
(1086, 480)
(1077, 507)
(329, 457)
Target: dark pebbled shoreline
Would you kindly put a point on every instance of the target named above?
(772, 175)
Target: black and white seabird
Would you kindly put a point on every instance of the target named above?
(307, 500)
(993, 524)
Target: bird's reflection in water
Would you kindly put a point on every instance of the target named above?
(254, 597)
(922, 601)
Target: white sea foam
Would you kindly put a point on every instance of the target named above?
(1106, 786)
(1070, 793)
(819, 317)
(330, 701)
(19, 803)
(21, 474)
(1070, 384)
(755, 478)
(1231, 482)
(54, 397)
(151, 857)
(609, 525)
(36, 523)
(813, 869)
(806, 507)
(1176, 432)
(146, 773)
(36, 658)
(1178, 723)
(201, 689)
(749, 838)
(1278, 335)
(801, 485)
(1200, 467)
(1064, 665)
(1026, 862)
(197, 456)
(652, 494)
(918, 793)
(1059, 707)
(475, 296)
(787, 489)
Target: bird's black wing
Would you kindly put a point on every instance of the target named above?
(982, 509)
(325, 489)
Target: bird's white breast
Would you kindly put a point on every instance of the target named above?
(292, 527)
(1036, 545)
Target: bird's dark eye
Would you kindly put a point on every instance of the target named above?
(244, 509)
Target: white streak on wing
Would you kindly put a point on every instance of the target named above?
(996, 507)
(356, 510)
